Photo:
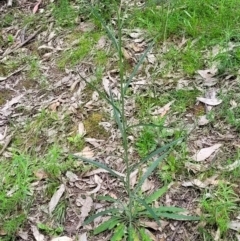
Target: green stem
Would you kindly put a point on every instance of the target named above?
(123, 116)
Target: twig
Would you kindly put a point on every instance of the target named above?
(23, 43)
(6, 144)
(13, 73)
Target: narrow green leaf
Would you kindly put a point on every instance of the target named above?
(156, 152)
(170, 209)
(99, 214)
(149, 209)
(137, 67)
(109, 224)
(106, 198)
(144, 236)
(117, 115)
(109, 32)
(114, 223)
(161, 209)
(145, 125)
(154, 196)
(132, 234)
(100, 165)
(180, 217)
(119, 232)
(101, 94)
(149, 171)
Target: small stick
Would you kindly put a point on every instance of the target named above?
(23, 43)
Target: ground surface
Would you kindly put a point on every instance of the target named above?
(187, 85)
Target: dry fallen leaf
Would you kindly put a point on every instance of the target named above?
(133, 178)
(101, 43)
(204, 153)
(163, 110)
(101, 170)
(208, 101)
(234, 225)
(37, 235)
(72, 177)
(36, 7)
(230, 167)
(55, 198)
(40, 174)
(147, 185)
(63, 238)
(203, 120)
(86, 152)
(82, 237)
(98, 181)
(54, 106)
(148, 224)
(126, 54)
(81, 129)
(86, 207)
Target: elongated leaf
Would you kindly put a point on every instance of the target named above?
(117, 115)
(170, 209)
(107, 198)
(132, 234)
(156, 152)
(109, 224)
(149, 171)
(144, 125)
(99, 164)
(137, 67)
(180, 217)
(99, 214)
(154, 196)
(163, 209)
(149, 209)
(114, 223)
(119, 233)
(144, 236)
(99, 92)
(109, 32)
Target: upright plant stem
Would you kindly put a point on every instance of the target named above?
(124, 120)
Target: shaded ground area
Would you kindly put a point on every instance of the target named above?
(187, 86)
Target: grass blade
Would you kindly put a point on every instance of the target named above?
(144, 125)
(109, 32)
(109, 224)
(154, 153)
(99, 214)
(154, 196)
(99, 92)
(100, 165)
(137, 67)
(149, 171)
(117, 115)
(106, 198)
(179, 217)
(149, 209)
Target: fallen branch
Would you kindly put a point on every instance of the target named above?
(22, 44)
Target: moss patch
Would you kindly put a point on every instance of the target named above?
(93, 128)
